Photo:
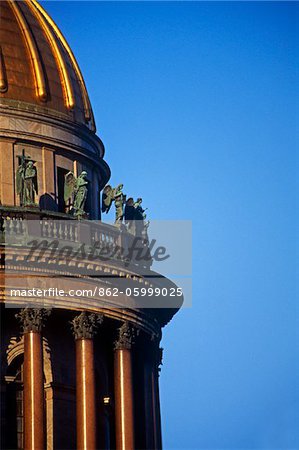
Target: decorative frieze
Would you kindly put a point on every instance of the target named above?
(85, 325)
(32, 319)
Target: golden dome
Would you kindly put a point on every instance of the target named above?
(37, 66)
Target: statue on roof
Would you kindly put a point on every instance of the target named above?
(75, 191)
(129, 214)
(119, 201)
(107, 198)
(135, 216)
(139, 211)
(26, 181)
(141, 226)
(117, 196)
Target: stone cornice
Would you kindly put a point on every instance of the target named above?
(46, 118)
(147, 319)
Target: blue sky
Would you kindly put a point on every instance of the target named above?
(196, 105)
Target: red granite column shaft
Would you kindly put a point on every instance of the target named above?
(85, 395)
(84, 327)
(34, 438)
(123, 385)
(34, 431)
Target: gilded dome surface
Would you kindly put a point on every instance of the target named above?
(37, 67)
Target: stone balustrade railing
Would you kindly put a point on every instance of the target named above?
(18, 225)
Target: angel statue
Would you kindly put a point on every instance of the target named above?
(114, 194)
(26, 181)
(119, 201)
(76, 189)
(107, 198)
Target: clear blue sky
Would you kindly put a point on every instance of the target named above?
(196, 105)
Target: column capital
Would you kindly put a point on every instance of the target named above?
(32, 319)
(126, 337)
(85, 325)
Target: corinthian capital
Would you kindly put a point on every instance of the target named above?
(32, 319)
(85, 325)
(126, 337)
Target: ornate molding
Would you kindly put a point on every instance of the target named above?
(126, 337)
(32, 319)
(53, 123)
(85, 325)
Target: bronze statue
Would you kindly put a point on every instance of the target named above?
(135, 216)
(119, 200)
(139, 211)
(139, 218)
(116, 195)
(26, 180)
(76, 189)
(107, 198)
(129, 214)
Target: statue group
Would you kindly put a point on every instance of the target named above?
(26, 181)
(126, 210)
(75, 188)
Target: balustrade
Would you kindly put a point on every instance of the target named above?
(20, 225)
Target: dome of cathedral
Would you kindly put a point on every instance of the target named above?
(38, 70)
(45, 112)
